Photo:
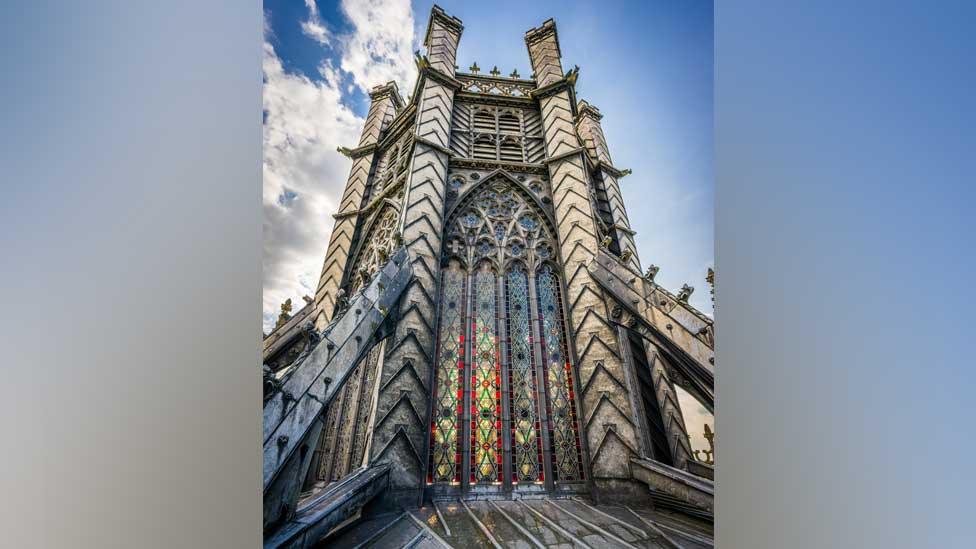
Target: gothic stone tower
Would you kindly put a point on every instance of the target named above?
(507, 367)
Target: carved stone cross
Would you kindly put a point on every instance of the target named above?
(494, 71)
(456, 247)
(474, 68)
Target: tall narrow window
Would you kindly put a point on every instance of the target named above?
(526, 445)
(486, 420)
(445, 451)
(566, 448)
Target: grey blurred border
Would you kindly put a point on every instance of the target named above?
(844, 139)
(131, 279)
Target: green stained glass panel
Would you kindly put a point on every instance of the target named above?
(450, 367)
(485, 382)
(559, 379)
(525, 437)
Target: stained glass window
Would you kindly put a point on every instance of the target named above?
(526, 446)
(564, 436)
(445, 453)
(496, 224)
(486, 456)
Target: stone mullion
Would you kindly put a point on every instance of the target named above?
(464, 468)
(501, 317)
(542, 385)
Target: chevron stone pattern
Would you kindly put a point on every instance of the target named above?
(381, 112)
(611, 434)
(405, 384)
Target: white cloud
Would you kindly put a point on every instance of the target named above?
(305, 121)
(380, 48)
(313, 27)
(304, 177)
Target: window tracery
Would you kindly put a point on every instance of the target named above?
(497, 249)
(376, 247)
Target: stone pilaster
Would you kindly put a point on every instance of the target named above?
(441, 40)
(385, 102)
(610, 432)
(402, 422)
(590, 131)
(543, 44)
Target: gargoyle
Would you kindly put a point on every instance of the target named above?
(651, 272)
(685, 293)
(341, 301)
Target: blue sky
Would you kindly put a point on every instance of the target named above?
(648, 66)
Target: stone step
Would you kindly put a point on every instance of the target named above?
(465, 533)
(507, 533)
(579, 531)
(613, 525)
(538, 528)
(689, 532)
(526, 524)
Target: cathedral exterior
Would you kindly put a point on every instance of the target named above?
(527, 355)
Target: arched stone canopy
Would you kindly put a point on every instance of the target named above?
(501, 221)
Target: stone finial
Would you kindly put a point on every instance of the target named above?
(474, 68)
(285, 313)
(652, 271)
(710, 278)
(685, 293)
(707, 456)
(494, 71)
(514, 74)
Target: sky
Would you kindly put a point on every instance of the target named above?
(648, 67)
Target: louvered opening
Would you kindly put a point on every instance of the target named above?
(484, 121)
(484, 148)
(510, 150)
(508, 122)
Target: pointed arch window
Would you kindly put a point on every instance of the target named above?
(506, 362)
